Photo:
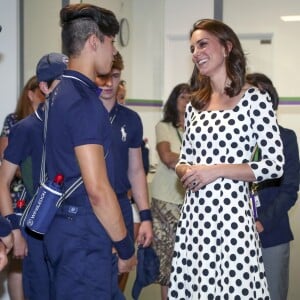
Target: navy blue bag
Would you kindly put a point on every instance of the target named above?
(43, 206)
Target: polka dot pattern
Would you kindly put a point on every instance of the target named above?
(217, 253)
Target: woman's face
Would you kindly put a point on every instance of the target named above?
(207, 52)
(182, 100)
(36, 97)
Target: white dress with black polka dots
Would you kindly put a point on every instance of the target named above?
(217, 253)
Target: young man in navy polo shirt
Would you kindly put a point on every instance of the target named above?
(89, 222)
(127, 134)
(25, 146)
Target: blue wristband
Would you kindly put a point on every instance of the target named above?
(145, 215)
(125, 247)
(14, 221)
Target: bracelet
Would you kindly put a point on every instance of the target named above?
(146, 215)
(14, 220)
(125, 247)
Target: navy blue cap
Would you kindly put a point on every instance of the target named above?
(147, 270)
(51, 66)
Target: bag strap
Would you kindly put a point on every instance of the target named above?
(43, 174)
(69, 191)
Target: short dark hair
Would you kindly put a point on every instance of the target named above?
(80, 21)
(265, 84)
(118, 62)
(170, 109)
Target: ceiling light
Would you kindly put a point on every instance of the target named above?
(290, 18)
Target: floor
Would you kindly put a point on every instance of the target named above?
(151, 292)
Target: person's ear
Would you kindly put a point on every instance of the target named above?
(93, 40)
(228, 48)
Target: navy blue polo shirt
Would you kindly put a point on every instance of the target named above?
(76, 117)
(127, 131)
(25, 142)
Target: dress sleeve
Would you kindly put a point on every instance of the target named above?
(289, 184)
(186, 153)
(267, 135)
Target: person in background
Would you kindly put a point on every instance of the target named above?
(24, 151)
(127, 133)
(121, 92)
(217, 252)
(276, 197)
(121, 99)
(31, 96)
(89, 223)
(166, 190)
(6, 241)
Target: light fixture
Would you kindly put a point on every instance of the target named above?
(290, 18)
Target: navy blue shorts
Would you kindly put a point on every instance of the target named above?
(79, 254)
(36, 281)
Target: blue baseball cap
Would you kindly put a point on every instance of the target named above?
(51, 66)
(147, 270)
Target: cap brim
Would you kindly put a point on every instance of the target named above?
(136, 289)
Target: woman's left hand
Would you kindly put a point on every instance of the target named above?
(198, 176)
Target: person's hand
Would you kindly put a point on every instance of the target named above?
(198, 176)
(145, 234)
(8, 242)
(259, 226)
(127, 265)
(3, 256)
(20, 249)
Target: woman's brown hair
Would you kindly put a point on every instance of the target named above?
(24, 106)
(235, 63)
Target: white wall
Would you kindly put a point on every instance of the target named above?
(261, 17)
(161, 57)
(9, 60)
(9, 75)
(179, 18)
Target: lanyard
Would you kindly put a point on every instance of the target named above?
(179, 135)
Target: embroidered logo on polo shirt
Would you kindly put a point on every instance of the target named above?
(123, 133)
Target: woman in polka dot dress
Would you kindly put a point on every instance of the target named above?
(217, 252)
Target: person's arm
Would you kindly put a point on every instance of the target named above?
(195, 177)
(169, 158)
(7, 172)
(139, 187)
(3, 145)
(104, 202)
(6, 241)
(289, 185)
(3, 256)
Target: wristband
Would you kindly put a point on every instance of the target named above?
(146, 215)
(14, 220)
(125, 247)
